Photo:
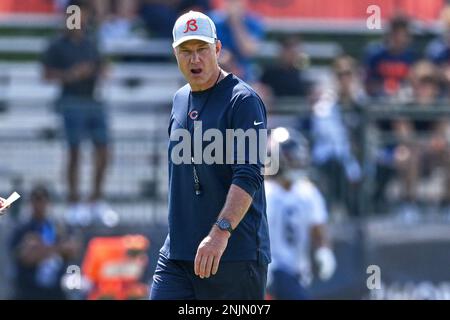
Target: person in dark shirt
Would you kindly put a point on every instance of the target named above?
(41, 252)
(387, 64)
(240, 32)
(218, 242)
(285, 77)
(160, 15)
(73, 61)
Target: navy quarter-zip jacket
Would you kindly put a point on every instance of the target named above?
(230, 104)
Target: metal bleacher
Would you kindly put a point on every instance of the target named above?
(138, 46)
(31, 132)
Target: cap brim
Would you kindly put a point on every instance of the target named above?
(194, 37)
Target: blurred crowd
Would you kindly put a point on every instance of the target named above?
(394, 71)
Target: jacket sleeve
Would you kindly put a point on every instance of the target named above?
(249, 115)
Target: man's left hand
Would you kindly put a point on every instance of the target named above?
(209, 253)
(2, 206)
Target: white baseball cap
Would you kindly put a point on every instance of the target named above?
(193, 25)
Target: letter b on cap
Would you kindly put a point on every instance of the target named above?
(191, 25)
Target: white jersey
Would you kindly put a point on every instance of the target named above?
(291, 214)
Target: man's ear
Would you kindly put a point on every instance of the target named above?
(218, 47)
(175, 53)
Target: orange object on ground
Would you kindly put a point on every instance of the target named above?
(115, 265)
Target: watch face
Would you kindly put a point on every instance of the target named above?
(224, 224)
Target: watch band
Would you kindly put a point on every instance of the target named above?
(224, 224)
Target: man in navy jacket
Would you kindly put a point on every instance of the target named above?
(218, 242)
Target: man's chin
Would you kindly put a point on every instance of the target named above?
(200, 77)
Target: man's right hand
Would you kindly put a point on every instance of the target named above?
(210, 252)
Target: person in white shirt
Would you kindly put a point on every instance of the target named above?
(297, 216)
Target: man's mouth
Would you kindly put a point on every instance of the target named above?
(196, 70)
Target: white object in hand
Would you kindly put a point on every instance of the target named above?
(13, 197)
(326, 263)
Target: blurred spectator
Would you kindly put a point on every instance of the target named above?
(285, 77)
(438, 50)
(387, 64)
(336, 127)
(41, 252)
(297, 216)
(423, 143)
(240, 32)
(114, 18)
(74, 62)
(228, 62)
(159, 16)
(196, 5)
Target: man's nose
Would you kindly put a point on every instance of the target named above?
(195, 57)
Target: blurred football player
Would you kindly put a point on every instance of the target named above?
(297, 216)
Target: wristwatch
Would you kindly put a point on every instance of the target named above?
(225, 225)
